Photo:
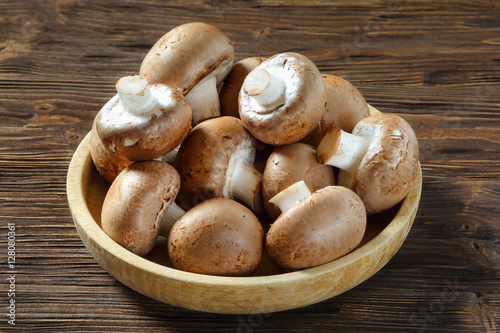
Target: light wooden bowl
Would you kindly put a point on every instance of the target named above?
(268, 291)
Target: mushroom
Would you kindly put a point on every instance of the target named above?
(379, 160)
(230, 90)
(139, 205)
(143, 121)
(345, 107)
(108, 164)
(289, 164)
(217, 237)
(282, 99)
(170, 156)
(216, 161)
(194, 58)
(315, 228)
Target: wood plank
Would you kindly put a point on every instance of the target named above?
(435, 64)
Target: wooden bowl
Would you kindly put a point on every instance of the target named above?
(269, 290)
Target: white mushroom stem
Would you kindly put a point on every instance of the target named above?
(266, 89)
(245, 185)
(169, 218)
(136, 96)
(170, 156)
(290, 195)
(204, 100)
(342, 150)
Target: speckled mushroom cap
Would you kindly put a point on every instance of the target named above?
(230, 89)
(139, 138)
(135, 203)
(289, 164)
(107, 163)
(345, 107)
(301, 109)
(217, 237)
(390, 165)
(322, 227)
(187, 54)
(204, 157)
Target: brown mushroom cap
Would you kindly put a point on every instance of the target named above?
(217, 237)
(390, 165)
(187, 54)
(139, 138)
(204, 157)
(324, 226)
(135, 203)
(232, 84)
(297, 113)
(289, 164)
(107, 163)
(345, 107)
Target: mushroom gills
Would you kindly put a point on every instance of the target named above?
(291, 195)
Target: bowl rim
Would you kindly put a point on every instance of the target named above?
(84, 222)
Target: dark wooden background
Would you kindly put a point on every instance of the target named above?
(436, 63)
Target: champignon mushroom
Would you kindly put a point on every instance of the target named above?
(345, 107)
(289, 164)
(217, 237)
(107, 163)
(230, 90)
(139, 205)
(282, 99)
(195, 58)
(379, 160)
(216, 161)
(170, 156)
(143, 121)
(315, 228)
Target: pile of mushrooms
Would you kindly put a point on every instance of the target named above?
(233, 160)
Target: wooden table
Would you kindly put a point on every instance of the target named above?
(437, 64)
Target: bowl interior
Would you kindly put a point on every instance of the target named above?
(268, 290)
(96, 187)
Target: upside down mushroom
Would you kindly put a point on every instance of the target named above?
(282, 99)
(143, 121)
(314, 228)
(194, 58)
(378, 161)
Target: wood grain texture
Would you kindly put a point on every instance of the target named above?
(436, 64)
(267, 291)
